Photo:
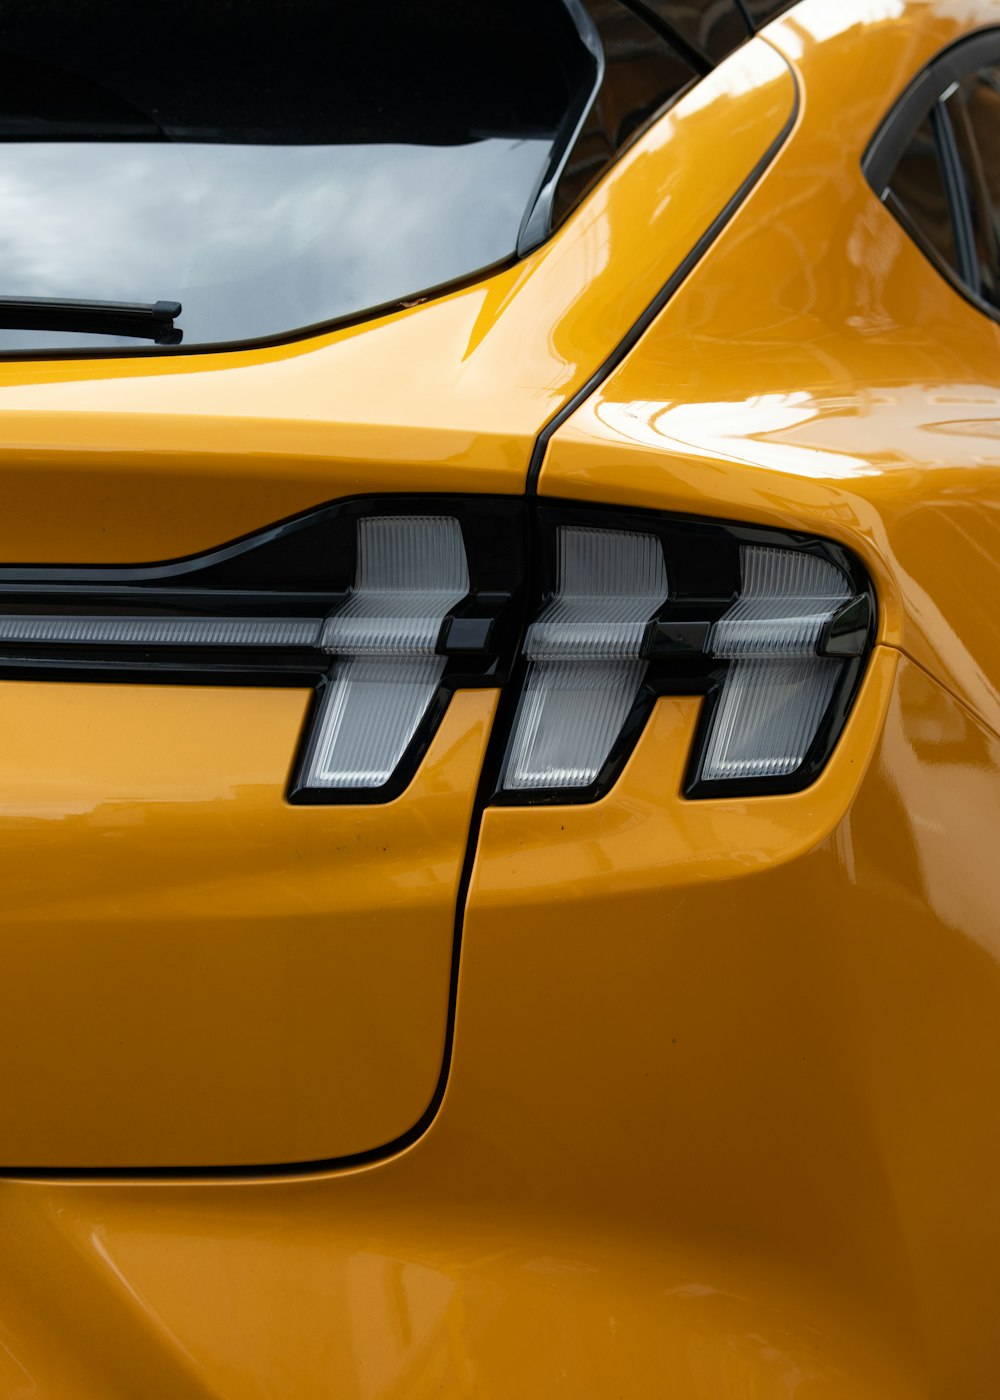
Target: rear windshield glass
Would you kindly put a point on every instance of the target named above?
(271, 165)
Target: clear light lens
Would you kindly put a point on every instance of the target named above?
(584, 650)
(162, 631)
(411, 571)
(369, 714)
(610, 582)
(777, 689)
(767, 716)
(786, 600)
(570, 715)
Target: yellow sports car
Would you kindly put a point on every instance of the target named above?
(500, 700)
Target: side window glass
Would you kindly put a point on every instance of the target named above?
(917, 191)
(973, 108)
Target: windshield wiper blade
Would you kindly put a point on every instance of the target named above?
(140, 320)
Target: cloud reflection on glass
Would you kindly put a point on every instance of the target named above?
(254, 241)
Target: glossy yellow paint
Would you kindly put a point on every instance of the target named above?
(134, 460)
(196, 972)
(719, 1122)
(233, 981)
(714, 1126)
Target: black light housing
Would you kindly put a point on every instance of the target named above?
(583, 615)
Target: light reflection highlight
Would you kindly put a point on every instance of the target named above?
(734, 432)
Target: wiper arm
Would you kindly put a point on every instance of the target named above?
(143, 321)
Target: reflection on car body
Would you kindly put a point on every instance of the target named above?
(499, 699)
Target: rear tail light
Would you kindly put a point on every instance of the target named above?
(772, 629)
(585, 657)
(411, 571)
(777, 687)
(160, 631)
(385, 606)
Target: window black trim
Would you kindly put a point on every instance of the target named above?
(955, 194)
(536, 226)
(923, 98)
(894, 132)
(691, 52)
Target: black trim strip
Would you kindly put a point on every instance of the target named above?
(645, 320)
(689, 51)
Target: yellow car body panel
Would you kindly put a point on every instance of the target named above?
(718, 1117)
(722, 1134)
(279, 977)
(197, 971)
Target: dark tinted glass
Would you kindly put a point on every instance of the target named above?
(917, 188)
(974, 110)
(272, 164)
(713, 27)
(761, 12)
(643, 74)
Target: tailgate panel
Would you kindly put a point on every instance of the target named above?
(195, 972)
